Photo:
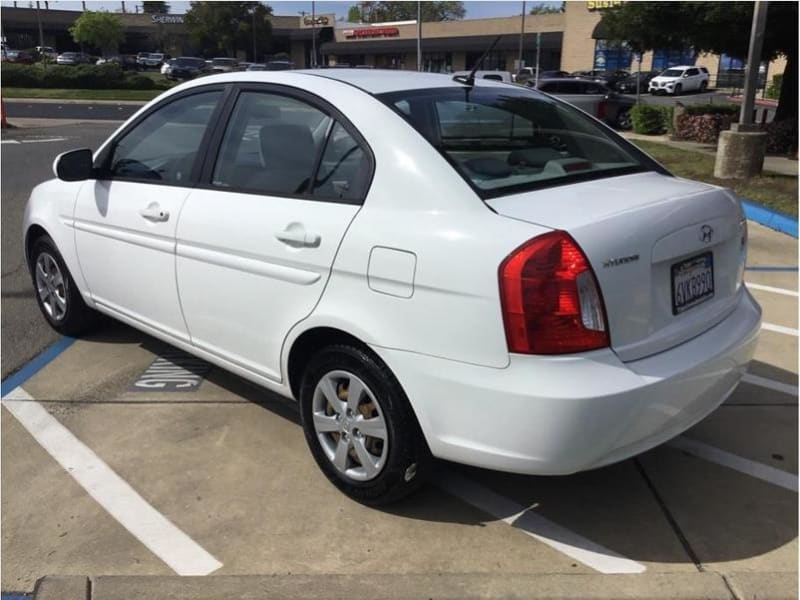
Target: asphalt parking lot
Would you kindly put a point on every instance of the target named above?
(126, 462)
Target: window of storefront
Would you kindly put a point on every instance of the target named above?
(549, 58)
(350, 60)
(664, 59)
(389, 61)
(494, 61)
(732, 70)
(611, 55)
(437, 62)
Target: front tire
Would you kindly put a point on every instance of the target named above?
(678, 89)
(57, 295)
(360, 427)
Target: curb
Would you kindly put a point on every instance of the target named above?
(442, 586)
(74, 101)
(770, 218)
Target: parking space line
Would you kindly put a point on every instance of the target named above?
(780, 329)
(520, 517)
(114, 494)
(774, 290)
(770, 384)
(737, 463)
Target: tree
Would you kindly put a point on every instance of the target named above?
(718, 27)
(226, 27)
(547, 9)
(354, 14)
(99, 29)
(377, 12)
(155, 8)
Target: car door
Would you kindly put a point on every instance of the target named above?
(125, 219)
(256, 241)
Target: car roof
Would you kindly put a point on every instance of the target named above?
(379, 81)
(570, 79)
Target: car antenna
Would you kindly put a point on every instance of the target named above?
(470, 79)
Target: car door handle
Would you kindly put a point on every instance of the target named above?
(296, 235)
(154, 213)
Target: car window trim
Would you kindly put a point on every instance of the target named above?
(102, 168)
(301, 95)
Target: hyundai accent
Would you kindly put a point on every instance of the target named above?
(433, 267)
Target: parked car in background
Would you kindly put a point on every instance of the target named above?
(279, 65)
(47, 52)
(592, 97)
(224, 65)
(627, 85)
(19, 56)
(186, 67)
(126, 61)
(150, 60)
(552, 74)
(504, 76)
(73, 58)
(567, 304)
(256, 67)
(677, 80)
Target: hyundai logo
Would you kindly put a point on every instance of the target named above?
(706, 233)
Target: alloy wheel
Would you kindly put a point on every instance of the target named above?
(50, 286)
(350, 425)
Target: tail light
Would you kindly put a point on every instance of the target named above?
(550, 298)
(601, 109)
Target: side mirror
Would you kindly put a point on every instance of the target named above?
(75, 165)
(685, 75)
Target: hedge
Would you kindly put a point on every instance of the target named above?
(648, 119)
(703, 122)
(108, 76)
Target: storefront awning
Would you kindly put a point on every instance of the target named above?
(472, 43)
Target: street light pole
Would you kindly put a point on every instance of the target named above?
(753, 61)
(313, 35)
(419, 35)
(521, 36)
(255, 55)
(538, 48)
(39, 21)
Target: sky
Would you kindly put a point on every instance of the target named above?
(475, 9)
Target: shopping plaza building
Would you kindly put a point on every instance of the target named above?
(569, 41)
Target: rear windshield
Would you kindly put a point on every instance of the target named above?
(505, 140)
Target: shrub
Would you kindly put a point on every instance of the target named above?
(106, 76)
(712, 109)
(648, 119)
(703, 128)
(774, 88)
(782, 136)
(668, 113)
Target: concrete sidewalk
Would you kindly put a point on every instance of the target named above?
(774, 164)
(652, 586)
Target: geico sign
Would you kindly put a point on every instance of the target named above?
(168, 19)
(369, 32)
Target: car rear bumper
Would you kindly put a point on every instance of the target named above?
(562, 414)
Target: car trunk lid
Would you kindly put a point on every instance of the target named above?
(651, 240)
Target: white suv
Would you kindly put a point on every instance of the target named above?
(677, 80)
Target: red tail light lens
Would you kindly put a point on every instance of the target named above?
(601, 110)
(550, 298)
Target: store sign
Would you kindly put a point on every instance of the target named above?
(603, 4)
(371, 32)
(168, 19)
(308, 21)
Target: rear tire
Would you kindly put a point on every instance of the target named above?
(397, 458)
(624, 120)
(58, 297)
(703, 86)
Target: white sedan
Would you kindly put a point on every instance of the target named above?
(432, 267)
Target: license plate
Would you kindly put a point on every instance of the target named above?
(692, 282)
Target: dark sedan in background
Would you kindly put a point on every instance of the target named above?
(628, 84)
(186, 67)
(592, 97)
